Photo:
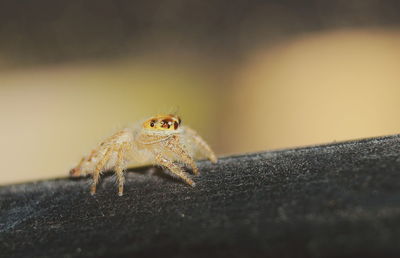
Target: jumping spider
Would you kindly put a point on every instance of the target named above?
(161, 140)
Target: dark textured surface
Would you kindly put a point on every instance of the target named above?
(334, 200)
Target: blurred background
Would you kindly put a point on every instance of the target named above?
(248, 75)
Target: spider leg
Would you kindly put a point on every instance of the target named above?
(99, 167)
(175, 146)
(111, 153)
(77, 171)
(174, 169)
(120, 166)
(201, 145)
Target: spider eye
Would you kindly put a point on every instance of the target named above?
(152, 124)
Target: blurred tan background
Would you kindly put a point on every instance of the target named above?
(248, 75)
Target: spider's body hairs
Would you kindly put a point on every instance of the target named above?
(160, 140)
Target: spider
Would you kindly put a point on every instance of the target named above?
(160, 140)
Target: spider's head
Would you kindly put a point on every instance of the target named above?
(163, 123)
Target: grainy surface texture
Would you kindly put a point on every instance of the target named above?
(337, 200)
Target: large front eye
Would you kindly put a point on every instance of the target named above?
(152, 124)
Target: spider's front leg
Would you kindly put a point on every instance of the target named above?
(169, 164)
(199, 144)
(174, 145)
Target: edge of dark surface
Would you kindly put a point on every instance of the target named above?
(340, 199)
(233, 156)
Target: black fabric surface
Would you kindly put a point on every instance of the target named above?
(337, 200)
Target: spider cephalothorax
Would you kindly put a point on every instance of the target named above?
(160, 140)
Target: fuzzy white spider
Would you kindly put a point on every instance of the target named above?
(160, 140)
